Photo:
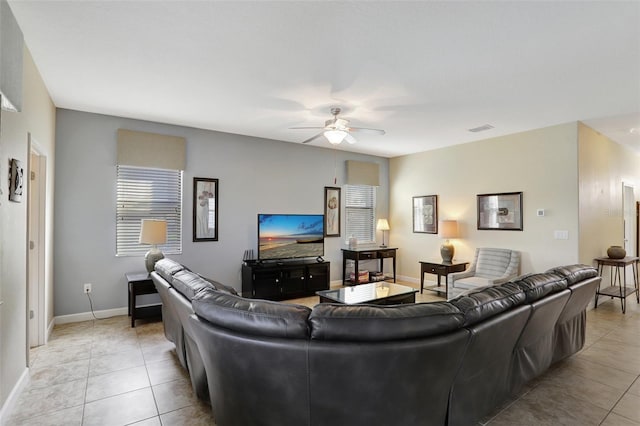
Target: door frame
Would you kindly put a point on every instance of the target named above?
(36, 290)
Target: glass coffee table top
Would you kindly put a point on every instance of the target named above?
(366, 293)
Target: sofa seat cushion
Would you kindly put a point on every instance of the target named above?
(189, 283)
(487, 302)
(252, 316)
(167, 268)
(575, 273)
(536, 286)
(364, 323)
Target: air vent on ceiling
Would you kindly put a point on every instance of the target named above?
(481, 128)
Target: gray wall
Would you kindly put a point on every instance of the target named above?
(256, 176)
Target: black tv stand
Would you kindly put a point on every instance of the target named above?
(284, 280)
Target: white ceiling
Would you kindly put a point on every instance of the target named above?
(423, 71)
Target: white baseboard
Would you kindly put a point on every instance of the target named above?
(86, 316)
(7, 409)
(407, 279)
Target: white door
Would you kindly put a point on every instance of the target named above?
(629, 212)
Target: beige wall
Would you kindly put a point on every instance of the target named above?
(604, 166)
(541, 163)
(38, 119)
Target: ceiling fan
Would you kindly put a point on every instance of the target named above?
(337, 129)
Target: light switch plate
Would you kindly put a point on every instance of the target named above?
(561, 235)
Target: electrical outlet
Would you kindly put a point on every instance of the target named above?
(87, 288)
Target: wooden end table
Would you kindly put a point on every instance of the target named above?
(441, 269)
(140, 283)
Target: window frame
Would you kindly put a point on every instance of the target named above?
(351, 210)
(165, 188)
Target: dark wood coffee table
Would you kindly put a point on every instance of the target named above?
(382, 293)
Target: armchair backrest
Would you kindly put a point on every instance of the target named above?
(496, 262)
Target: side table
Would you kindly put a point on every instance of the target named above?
(140, 283)
(618, 288)
(367, 253)
(441, 269)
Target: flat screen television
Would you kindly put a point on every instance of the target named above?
(290, 236)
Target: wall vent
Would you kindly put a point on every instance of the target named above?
(481, 128)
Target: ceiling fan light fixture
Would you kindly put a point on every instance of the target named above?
(335, 136)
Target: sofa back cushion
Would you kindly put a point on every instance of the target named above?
(189, 283)
(167, 268)
(252, 316)
(537, 286)
(220, 287)
(487, 302)
(362, 323)
(574, 273)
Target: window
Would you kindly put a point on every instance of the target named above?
(144, 193)
(360, 210)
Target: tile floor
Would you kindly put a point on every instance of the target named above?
(107, 373)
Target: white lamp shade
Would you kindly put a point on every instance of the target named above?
(335, 136)
(153, 231)
(449, 229)
(382, 225)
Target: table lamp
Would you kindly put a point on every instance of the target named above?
(383, 225)
(154, 232)
(448, 229)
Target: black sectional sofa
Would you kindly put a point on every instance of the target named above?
(446, 363)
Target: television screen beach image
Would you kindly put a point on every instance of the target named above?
(287, 236)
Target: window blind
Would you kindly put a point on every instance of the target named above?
(144, 193)
(360, 208)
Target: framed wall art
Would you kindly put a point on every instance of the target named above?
(16, 172)
(331, 211)
(425, 214)
(500, 211)
(205, 209)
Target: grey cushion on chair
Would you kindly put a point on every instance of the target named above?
(490, 266)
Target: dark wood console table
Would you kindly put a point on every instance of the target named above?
(618, 288)
(141, 283)
(441, 269)
(366, 254)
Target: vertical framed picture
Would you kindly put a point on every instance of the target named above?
(425, 214)
(16, 173)
(331, 211)
(500, 211)
(205, 209)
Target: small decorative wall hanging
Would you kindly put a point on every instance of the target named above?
(205, 209)
(16, 173)
(331, 211)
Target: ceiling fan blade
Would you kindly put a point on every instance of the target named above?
(313, 137)
(350, 139)
(364, 130)
(305, 128)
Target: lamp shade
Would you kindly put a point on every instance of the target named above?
(382, 225)
(335, 136)
(153, 231)
(449, 229)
